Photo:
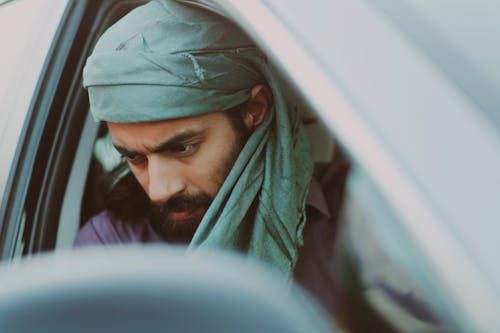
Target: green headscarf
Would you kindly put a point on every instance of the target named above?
(165, 60)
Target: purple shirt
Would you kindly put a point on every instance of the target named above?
(103, 229)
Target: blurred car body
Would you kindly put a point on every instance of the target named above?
(151, 289)
(408, 90)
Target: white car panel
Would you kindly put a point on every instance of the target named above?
(21, 61)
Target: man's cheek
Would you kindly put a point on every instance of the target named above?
(213, 182)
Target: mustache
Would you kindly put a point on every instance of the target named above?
(184, 202)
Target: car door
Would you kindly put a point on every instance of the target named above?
(46, 153)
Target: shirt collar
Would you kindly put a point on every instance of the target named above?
(316, 199)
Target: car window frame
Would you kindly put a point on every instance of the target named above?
(31, 208)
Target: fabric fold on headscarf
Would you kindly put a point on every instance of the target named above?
(165, 60)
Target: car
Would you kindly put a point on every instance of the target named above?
(407, 90)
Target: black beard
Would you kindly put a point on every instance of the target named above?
(174, 231)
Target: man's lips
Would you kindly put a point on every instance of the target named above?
(185, 214)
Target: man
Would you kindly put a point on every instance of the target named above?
(197, 112)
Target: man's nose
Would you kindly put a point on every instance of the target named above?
(165, 180)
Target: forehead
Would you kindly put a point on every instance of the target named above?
(125, 134)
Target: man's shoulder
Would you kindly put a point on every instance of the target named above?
(106, 229)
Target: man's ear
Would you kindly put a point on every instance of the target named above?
(257, 106)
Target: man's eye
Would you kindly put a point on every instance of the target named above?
(184, 149)
(135, 159)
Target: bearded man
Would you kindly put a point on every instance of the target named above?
(217, 147)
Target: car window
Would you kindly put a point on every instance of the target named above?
(31, 209)
(83, 196)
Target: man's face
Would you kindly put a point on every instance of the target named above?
(181, 163)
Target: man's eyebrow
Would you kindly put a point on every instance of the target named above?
(176, 140)
(173, 141)
(124, 151)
